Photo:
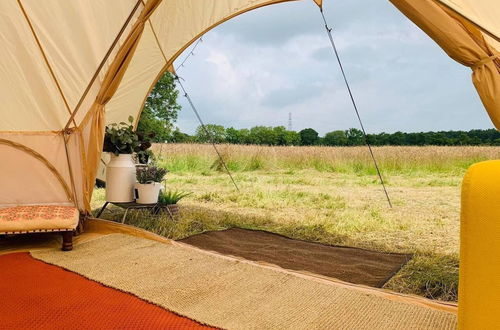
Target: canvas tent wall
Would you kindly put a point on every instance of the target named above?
(68, 68)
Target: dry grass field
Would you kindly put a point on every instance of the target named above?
(329, 195)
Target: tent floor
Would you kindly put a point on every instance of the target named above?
(97, 228)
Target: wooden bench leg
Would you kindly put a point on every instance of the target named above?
(67, 244)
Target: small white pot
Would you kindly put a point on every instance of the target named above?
(147, 193)
(120, 179)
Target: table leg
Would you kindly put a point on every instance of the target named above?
(125, 215)
(170, 214)
(102, 209)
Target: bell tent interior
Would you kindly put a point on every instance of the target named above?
(69, 68)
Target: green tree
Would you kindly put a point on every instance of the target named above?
(291, 138)
(463, 139)
(416, 139)
(244, 136)
(179, 137)
(335, 138)
(309, 137)
(285, 137)
(355, 137)
(232, 135)
(280, 133)
(216, 133)
(398, 139)
(160, 110)
(237, 136)
(263, 135)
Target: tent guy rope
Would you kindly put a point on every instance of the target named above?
(207, 132)
(329, 31)
(330, 36)
(186, 95)
(191, 53)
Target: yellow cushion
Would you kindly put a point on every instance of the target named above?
(38, 218)
(479, 283)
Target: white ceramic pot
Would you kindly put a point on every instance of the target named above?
(147, 193)
(120, 179)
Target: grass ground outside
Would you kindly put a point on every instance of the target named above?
(329, 195)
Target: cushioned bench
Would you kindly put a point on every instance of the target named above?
(40, 218)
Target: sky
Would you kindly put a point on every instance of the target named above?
(260, 66)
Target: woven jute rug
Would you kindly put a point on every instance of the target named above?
(234, 294)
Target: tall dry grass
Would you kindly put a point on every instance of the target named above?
(392, 159)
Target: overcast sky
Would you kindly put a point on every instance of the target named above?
(260, 66)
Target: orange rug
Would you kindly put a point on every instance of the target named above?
(36, 295)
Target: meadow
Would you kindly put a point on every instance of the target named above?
(329, 195)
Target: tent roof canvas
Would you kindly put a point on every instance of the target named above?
(68, 68)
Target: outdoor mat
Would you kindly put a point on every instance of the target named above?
(352, 265)
(237, 294)
(36, 295)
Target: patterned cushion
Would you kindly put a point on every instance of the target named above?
(34, 218)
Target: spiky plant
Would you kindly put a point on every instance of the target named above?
(172, 196)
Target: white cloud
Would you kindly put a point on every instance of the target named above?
(256, 69)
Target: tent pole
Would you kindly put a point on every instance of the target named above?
(207, 132)
(67, 133)
(101, 65)
(49, 67)
(330, 36)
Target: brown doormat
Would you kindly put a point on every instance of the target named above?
(352, 265)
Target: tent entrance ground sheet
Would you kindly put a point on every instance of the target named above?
(352, 265)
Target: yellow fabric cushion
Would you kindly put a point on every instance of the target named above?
(479, 284)
(38, 218)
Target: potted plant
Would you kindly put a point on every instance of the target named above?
(121, 141)
(169, 200)
(144, 154)
(148, 184)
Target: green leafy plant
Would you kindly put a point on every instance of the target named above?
(144, 154)
(172, 196)
(151, 173)
(121, 138)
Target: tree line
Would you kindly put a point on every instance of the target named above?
(280, 136)
(161, 108)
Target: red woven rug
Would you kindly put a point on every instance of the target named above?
(36, 295)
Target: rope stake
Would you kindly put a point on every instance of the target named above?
(207, 132)
(330, 36)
